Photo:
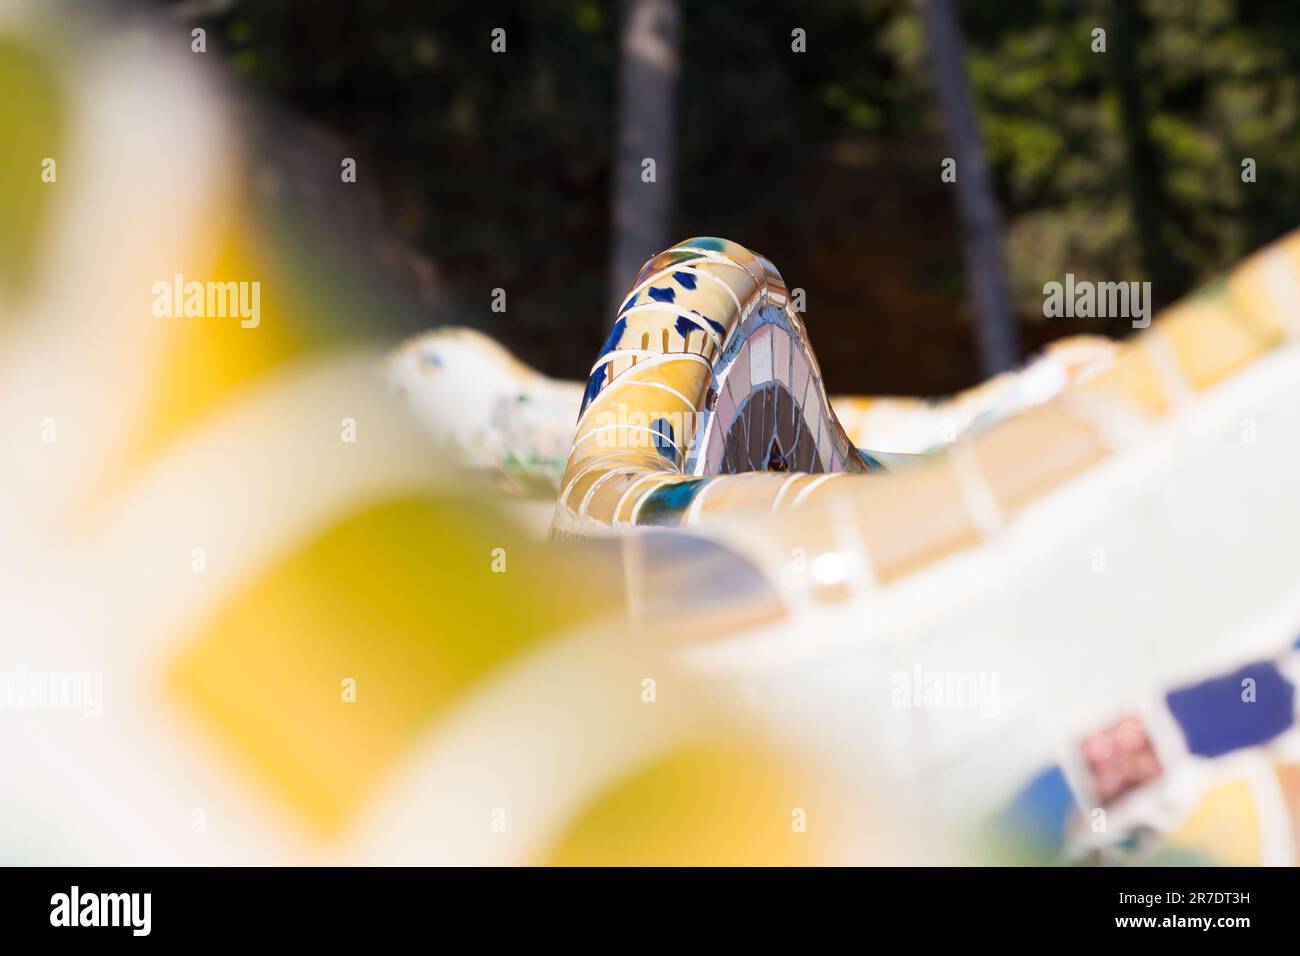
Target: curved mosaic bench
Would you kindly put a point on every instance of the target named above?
(675, 350)
(491, 412)
(706, 373)
(709, 390)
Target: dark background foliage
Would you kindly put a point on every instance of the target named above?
(494, 170)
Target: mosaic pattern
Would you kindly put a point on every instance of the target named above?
(1120, 758)
(766, 435)
(706, 402)
(706, 372)
(769, 414)
(928, 425)
(706, 342)
(1202, 771)
(251, 651)
(493, 413)
(486, 409)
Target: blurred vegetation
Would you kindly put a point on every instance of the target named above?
(33, 108)
(496, 168)
(1128, 164)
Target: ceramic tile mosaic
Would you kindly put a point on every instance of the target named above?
(488, 411)
(956, 500)
(705, 408)
(742, 356)
(1188, 788)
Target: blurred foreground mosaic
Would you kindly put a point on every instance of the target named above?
(281, 589)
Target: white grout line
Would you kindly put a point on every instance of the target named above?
(1283, 290)
(1160, 352)
(813, 486)
(974, 490)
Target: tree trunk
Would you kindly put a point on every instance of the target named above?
(642, 211)
(1148, 202)
(981, 225)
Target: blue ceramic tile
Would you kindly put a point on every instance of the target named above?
(1217, 716)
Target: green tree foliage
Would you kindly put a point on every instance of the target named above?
(1117, 165)
(1127, 164)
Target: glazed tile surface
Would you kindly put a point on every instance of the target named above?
(706, 372)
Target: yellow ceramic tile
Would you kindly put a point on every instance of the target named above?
(266, 676)
(1225, 825)
(706, 805)
(1211, 341)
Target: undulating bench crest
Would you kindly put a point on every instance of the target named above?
(706, 390)
(706, 402)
